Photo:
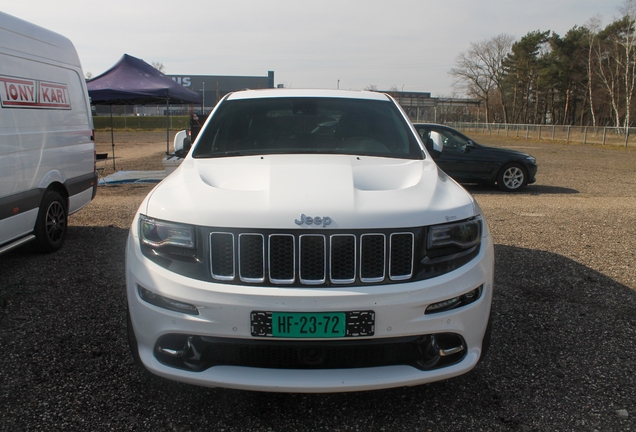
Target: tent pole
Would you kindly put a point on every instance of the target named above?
(112, 136)
(168, 125)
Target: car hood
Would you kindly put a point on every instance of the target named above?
(273, 191)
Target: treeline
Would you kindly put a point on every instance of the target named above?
(586, 77)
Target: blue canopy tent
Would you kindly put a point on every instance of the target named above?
(132, 81)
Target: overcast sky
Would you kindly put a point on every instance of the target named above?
(409, 44)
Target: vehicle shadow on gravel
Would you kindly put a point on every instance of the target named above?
(534, 189)
(561, 357)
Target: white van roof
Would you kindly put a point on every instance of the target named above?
(20, 36)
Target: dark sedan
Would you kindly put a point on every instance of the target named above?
(469, 162)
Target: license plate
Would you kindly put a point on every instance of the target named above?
(308, 324)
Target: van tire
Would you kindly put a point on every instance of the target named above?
(52, 223)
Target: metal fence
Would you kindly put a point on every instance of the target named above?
(602, 135)
(141, 122)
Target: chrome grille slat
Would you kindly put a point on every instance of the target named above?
(222, 255)
(401, 256)
(282, 262)
(251, 257)
(311, 258)
(343, 258)
(372, 257)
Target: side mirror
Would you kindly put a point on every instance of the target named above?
(178, 140)
(434, 149)
(182, 144)
(435, 153)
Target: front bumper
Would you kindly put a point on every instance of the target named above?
(224, 315)
(532, 172)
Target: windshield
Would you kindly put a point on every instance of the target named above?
(307, 125)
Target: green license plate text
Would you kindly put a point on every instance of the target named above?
(308, 324)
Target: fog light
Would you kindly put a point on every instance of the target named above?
(443, 305)
(455, 302)
(166, 303)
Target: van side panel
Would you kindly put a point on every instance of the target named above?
(18, 226)
(34, 141)
(36, 42)
(46, 127)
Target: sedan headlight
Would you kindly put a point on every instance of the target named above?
(531, 159)
(464, 234)
(157, 233)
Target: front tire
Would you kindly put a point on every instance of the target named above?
(51, 223)
(132, 342)
(512, 177)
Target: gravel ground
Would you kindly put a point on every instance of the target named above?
(563, 341)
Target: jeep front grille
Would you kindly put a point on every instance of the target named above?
(310, 258)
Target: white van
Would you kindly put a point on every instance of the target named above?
(47, 149)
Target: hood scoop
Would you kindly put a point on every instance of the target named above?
(246, 174)
(257, 173)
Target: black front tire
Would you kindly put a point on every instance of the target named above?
(52, 223)
(485, 344)
(132, 341)
(512, 177)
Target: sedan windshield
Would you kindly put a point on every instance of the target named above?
(307, 125)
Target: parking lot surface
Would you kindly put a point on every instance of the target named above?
(564, 322)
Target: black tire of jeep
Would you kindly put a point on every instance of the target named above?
(51, 223)
(132, 342)
(512, 177)
(485, 343)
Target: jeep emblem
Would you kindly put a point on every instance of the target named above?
(316, 220)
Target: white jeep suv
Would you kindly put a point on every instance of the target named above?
(308, 243)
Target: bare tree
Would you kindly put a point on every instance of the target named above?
(159, 66)
(593, 27)
(471, 77)
(371, 87)
(498, 50)
(480, 70)
(616, 51)
(628, 44)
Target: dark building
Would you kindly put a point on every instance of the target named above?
(420, 106)
(211, 87)
(214, 87)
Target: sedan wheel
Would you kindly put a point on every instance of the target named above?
(512, 177)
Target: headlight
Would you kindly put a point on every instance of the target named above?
(157, 233)
(464, 234)
(449, 246)
(531, 159)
